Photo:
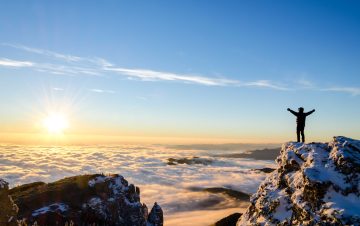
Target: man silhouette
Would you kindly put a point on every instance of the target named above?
(300, 122)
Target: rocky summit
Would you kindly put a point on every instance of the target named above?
(314, 184)
(81, 200)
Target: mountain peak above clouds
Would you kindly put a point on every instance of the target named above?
(315, 183)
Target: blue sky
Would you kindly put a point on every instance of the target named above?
(204, 69)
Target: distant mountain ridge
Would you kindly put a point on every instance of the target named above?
(314, 184)
(258, 154)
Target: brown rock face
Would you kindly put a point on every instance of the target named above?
(84, 200)
(8, 209)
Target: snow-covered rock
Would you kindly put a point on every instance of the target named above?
(85, 200)
(314, 184)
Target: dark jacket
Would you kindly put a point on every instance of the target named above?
(301, 117)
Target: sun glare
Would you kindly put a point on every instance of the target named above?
(55, 123)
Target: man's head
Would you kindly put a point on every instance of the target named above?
(301, 109)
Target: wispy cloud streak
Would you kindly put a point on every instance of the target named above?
(101, 91)
(96, 66)
(66, 69)
(66, 57)
(265, 84)
(354, 91)
(69, 58)
(57, 89)
(15, 63)
(150, 75)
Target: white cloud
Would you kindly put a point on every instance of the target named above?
(66, 69)
(355, 91)
(150, 75)
(98, 66)
(102, 91)
(67, 57)
(44, 52)
(75, 65)
(14, 63)
(264, 84)
(57, 89)
(307, 84)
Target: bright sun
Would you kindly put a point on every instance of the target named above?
(55, 123)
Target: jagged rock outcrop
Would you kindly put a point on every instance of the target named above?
(315, 184)
(229, 220)
(156, 216)
(85, 200)
(8, 209)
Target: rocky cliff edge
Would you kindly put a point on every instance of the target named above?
(81, 200)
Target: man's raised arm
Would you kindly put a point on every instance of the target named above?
(293, 112)
(310, 112)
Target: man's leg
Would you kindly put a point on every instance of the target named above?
(303, 136)
(298, 134)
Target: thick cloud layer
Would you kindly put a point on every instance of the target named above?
(145, 166)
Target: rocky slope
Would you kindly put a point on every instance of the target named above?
(314, 184)
(8, 209)
(82, 200)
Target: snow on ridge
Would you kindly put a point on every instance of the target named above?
(314, 182)
(97, 205)
(55, 207)
(116, 183)
(96, 180)
(118, 187)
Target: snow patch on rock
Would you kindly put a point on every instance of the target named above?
(97, 180)
(56, 207)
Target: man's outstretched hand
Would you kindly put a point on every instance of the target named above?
(288, 109)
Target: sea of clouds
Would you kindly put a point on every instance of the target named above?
(172, 186)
